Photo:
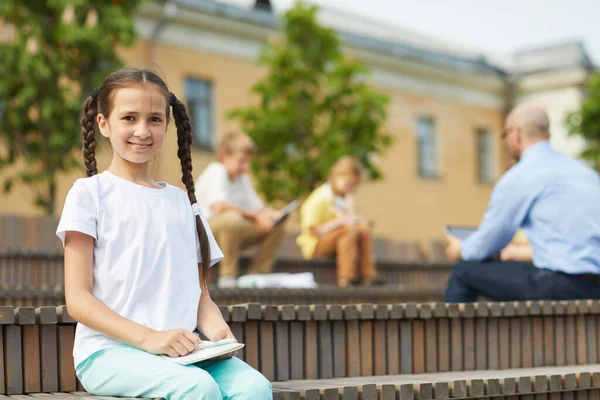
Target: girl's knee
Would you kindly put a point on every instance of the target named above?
(198, 386)
(258, 389)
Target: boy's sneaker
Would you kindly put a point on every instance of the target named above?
(225, 282)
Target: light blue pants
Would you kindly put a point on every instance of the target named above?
(127, 371)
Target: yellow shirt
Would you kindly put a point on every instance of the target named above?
(315, 211)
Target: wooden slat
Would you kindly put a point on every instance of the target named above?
(493, 345)
(418, 347)
(339, 348)
(571, 338)
(504, 339)
(592, 343)
(310, 348)
(49, 361)
(353, 357)
(282, 350)
(297, 350)
(251, 349)
(66, 371)
(443, 344)
(538, 343)
(267, 350)
(380, 347)
(549, 345)
(366, 347)
(406, 346)
(325, 349)
(456, 338)
(393, 347)
(481, 343)
(431, 345)
(560, 341)
(31, 358)
(526, 342)
(469, 343)
(14, 361)
(581, 333)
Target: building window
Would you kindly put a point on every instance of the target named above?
(427, 148)
(199, 100)
(485, 156)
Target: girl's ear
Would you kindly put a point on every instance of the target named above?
(103, 125)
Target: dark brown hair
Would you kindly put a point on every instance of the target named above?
(101, 101)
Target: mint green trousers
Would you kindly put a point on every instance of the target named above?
(127, 371)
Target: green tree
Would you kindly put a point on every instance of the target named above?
(57, 51)
(585, 123)
(315, 105)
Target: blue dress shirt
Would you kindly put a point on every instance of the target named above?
(556, 200)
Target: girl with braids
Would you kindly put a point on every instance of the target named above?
(136, 255)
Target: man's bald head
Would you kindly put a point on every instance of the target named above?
(531, 119)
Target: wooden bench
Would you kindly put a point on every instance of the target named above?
(554, 383)
(36, 279)
(333, 341)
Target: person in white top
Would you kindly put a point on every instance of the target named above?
(136, 257)
(237, 216)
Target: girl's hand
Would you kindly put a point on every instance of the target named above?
(223, 333)
(174, 343)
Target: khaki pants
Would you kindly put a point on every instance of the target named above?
(233, 233)
(351, 245)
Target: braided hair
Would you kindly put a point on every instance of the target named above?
(100, 102)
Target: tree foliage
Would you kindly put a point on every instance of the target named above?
(53, 53)
(585, 123)
(315, 105)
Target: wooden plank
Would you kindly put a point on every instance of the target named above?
(581, 332)
(237, 328)
(504, 339)
(282, 351)
(406, 347)
(592, 344)
(325, 349)
(393, 347)
(418, 338)
(443, 344)
(2, 361)
(267, 350)
(339, 349)
(526, 342)
(31, 358)
(66, 370)
(366, 347)
(560, 347)
(481, 343)
(14, 362)
(571, 337)
(515, 342)
(493, 345)
(549, 346)
(469, 343)
(456, 340)
(538, 343)
(297, 350)
(353, 357)
(311, 355)
(431, 335)
(252, 344)
(380, 347)
(49, 361)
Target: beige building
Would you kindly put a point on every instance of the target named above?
(446, 112)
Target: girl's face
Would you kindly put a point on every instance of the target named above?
(345, 184)
(137, 123)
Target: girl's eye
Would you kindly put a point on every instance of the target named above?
(128, 118)
(156, 119)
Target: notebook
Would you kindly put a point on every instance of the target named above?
(286, 211)
(208, 350)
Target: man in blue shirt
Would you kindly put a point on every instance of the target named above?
(556, 200)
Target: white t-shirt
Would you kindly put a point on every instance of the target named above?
(214, 186)
(146, 253)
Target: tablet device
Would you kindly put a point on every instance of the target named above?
(286, 211)
(461, 232)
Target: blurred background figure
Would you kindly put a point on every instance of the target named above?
(235, 213)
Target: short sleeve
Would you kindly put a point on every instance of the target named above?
(79, 213)
(216, 254)
(253, 202)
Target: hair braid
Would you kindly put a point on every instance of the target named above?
(184, 142)
(87, 119)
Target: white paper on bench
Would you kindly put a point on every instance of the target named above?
(206, 351)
